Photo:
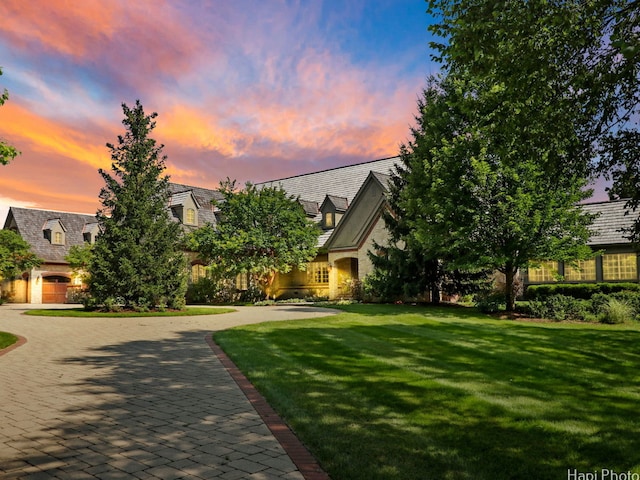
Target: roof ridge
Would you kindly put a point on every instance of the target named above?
(327, 170)
(52, 211)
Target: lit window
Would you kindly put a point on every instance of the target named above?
(545, 272)
(57, 238)
(318, 272)
(619, 266)
(328, 219)
(197, 272)
(191, 216)
(242, 281)
(580, 271)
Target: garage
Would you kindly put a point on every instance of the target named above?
(54, 289)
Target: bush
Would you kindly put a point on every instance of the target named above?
(489, 302)
(578, 290)
(560, 307)
(617, 311)
(209, 290)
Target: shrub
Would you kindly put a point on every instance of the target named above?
(489, 302)
(578, 290)
(617, 311)
(560, 307)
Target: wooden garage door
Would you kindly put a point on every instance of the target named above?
(54, 289)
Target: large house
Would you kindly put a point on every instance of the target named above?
(347, 202)
(330, 197)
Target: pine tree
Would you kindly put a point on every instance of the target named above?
(137, 262)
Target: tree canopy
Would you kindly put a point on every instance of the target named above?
(262, 232)
(7, 152)
(137, 261)
(484, 188)
(16, 256)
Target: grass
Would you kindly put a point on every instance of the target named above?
(81, 312)
(7, 339)
(401, 392)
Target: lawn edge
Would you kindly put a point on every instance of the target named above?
(21, 341)
(292, 445)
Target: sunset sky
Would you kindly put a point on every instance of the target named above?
(247, 89)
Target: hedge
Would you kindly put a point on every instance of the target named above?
(578, 290)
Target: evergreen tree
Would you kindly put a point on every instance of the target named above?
(407, 266)
(137, 261)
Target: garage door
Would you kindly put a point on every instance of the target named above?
(54, 289)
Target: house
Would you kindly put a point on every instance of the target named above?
(345, 201)
(616, 259)
(51, 234)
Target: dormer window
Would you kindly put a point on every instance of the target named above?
(184, 207)
(90, 231)
(54, 231)
(332, 210)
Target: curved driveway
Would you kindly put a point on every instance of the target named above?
(128, 398)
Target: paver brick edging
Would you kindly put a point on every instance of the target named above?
(299, 454)
(21, 341)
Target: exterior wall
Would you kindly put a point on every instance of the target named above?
(298, 284)
(342, 271)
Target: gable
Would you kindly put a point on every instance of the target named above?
(362, 214)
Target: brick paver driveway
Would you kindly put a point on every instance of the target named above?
(131, 398)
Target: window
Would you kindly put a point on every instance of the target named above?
(318, 272)
(619, 266)
(546, 272)
(190, 217)
(328, 219)
(580, 271)
(242, 281)
(58, 239)
(197, 272)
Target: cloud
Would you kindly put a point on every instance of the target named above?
(247, 89)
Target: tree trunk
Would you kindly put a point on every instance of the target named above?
(435, 295)
(510, 275)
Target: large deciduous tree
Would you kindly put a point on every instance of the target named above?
(569, 70)
(137, 261)
(262, 232)
(16, 256)
(477, 195)
(7, 152)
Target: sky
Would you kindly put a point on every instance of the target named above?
(252, 90)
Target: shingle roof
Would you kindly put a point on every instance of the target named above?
(310, 208)
(203, 196)
(29, 223)
(340, 182)
(339, 203)
(612, 219)
(179, 198)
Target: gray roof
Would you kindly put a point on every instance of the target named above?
(203, 196)
(611, 221)
(181, 197)
(30, 224)
(339, 203)
(340, 182)
(310, 208)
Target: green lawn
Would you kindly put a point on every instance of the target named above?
(401, 392)
(7, 339)
(81, 312)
